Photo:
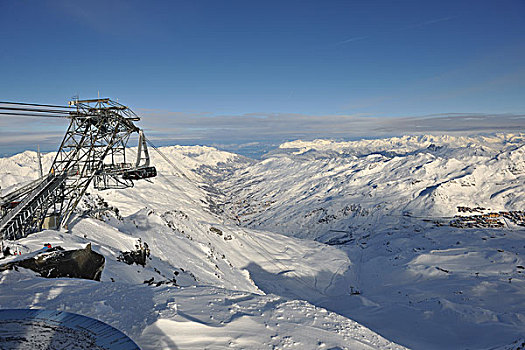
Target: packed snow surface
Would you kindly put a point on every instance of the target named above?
(319, 245)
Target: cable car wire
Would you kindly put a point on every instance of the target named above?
(32, 104)
(166, 158)
(31, 115)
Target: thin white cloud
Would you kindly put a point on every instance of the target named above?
(432, 21)
(253, 129)
(418, 25)
(269, 127)
(350, 40)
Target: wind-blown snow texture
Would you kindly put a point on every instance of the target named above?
(239, 258)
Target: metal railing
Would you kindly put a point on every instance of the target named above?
(15, 218)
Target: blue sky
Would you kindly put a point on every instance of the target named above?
(220, 72)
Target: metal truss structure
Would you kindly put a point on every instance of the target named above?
(93, 150)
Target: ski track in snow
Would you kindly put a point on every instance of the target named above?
(266, 283)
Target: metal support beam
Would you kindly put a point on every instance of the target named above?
(93, 148)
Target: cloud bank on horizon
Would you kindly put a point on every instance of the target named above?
(264, 131)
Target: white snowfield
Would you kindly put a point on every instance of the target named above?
(238, 253)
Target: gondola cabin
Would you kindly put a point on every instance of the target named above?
(140, 173)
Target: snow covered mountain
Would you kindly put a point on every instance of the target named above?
(201, 289)
(312, 189)
(382, 199)
(239, 256)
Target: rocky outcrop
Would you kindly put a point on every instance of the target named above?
(138, 256)
(57, 262)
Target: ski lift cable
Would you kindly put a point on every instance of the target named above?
(166, 158)
(39, 110)
(20, 109)
(32, 115)
(168, 180)
(32, 104)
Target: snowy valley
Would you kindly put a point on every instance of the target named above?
(319, 245)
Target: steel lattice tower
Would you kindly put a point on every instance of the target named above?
(93, 150)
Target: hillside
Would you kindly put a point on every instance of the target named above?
(309, 189)
(202, 280)
(320, 244)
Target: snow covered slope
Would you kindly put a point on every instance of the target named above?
(312, 189)
(239, 254)
(200, 288)
(424, 285)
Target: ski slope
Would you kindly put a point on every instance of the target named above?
(202, 290)
(238, 253)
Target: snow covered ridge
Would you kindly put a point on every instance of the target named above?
(309, 189)
(380, 201)
(405, 144)
(201, 287)
(234, 257)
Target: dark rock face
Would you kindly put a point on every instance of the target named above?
(138, 256)
(57, 262)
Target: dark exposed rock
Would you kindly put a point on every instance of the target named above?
(216, 230)
(57, 262)
(152, 282)
(443, 270)
(138, 256)
(6, 252)
(336, 237)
